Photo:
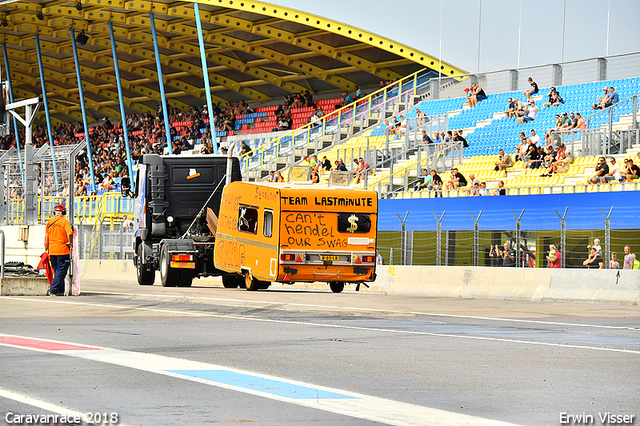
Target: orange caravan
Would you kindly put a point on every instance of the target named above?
(288, 232)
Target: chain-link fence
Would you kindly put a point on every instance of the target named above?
(466, 241)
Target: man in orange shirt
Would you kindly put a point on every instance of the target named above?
(57, 242)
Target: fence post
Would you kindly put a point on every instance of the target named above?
(518, 257)
(476, 238)
(563, 235)
(391, 256)
(439, 238)
(610, 131)
(607, 236)
(403, 239)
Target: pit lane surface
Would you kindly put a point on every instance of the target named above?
(209, 355)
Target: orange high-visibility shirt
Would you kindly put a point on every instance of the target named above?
(58, 230)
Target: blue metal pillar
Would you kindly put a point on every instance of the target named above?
(46, 111)
(125, 130)
(205, 74)
(165, 110)
(84, 114)
(15, 122)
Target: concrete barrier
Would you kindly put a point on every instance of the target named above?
(24, 286)
(544, 284)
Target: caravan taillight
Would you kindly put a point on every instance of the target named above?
(287, 257)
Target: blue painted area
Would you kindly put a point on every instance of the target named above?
(583, 212)
(274, 387)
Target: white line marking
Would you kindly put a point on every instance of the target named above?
(348, 308)
(44, 405)
(314, 324)
(361, 406)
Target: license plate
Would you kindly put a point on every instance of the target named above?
(329, 258)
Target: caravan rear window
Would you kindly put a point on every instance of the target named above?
(354, 223)
(248, 219)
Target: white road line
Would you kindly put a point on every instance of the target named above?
(357, 405)
(387, 311)
(314, 324)
(45, 405)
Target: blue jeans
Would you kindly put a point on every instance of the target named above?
(60, 265)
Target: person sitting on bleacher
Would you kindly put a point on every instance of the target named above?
(459, 138)
(436, 183)
(457, 180)
(562, 163)
(326, 164)
(531, 111)
(632, 172)
(500, 190)
(581, 123)
(308, 99)
(522, 148)
(615, 173)
(602, 100)
(504, 162)
(426, 180)
(358, 93)
(601, 171)
(511, 107)
(534, 156)
(477, 95)
(533, 91)
(425, 138)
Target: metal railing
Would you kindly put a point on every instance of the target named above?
(332, 123)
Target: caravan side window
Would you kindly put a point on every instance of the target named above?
(248, 219)
(267, 229)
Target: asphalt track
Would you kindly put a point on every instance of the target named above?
(208, 355)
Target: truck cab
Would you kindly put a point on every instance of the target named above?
(177, 201)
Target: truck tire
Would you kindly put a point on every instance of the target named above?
(254, 284)
(145, 277)
(232, 281)
(336, 287)
(170, 277)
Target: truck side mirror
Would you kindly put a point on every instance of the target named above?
(125, 187)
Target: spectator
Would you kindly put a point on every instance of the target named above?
(308, 99)
(508, 256)
(534, 155)
(629, 258)
(602, 100)
(534, 139)
(457, 180)
(279, 177)
(505, 161)
(477, 95)
(614, 98)
(562, 162)
(436, 183)
(359, 93)
(555, 257)
(495, 253)
(425, 138)
(363, 169)
(566, 122)
(615, 174)
(426, 180)
(522, 148)
(315, 178)
(483, 189)
(271, 177)
(601, 170)
(632, 172)
(533, 91)
(531, 113)
(459, 138)
(613, 263)
(379, 258)
(501, 190)
(581, 124)
(552, 97)
(594, 261)
(326, 164)
(511, 108)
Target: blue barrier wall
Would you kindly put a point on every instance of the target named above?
(583, 212)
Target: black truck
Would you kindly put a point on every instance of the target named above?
(177, 202)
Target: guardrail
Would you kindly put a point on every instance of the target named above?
(334, 121)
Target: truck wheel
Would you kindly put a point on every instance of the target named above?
(254, 284)
(145, 277)
(170, 277)
(232, 281)
(336, 287)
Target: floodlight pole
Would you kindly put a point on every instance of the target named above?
(607, 235)
(205, 74)
(125, 130)
(563, 235)
(165, 109)
(46, 112)
(15, 122)
(84, 114)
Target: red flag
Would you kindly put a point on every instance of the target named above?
(45, 264)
